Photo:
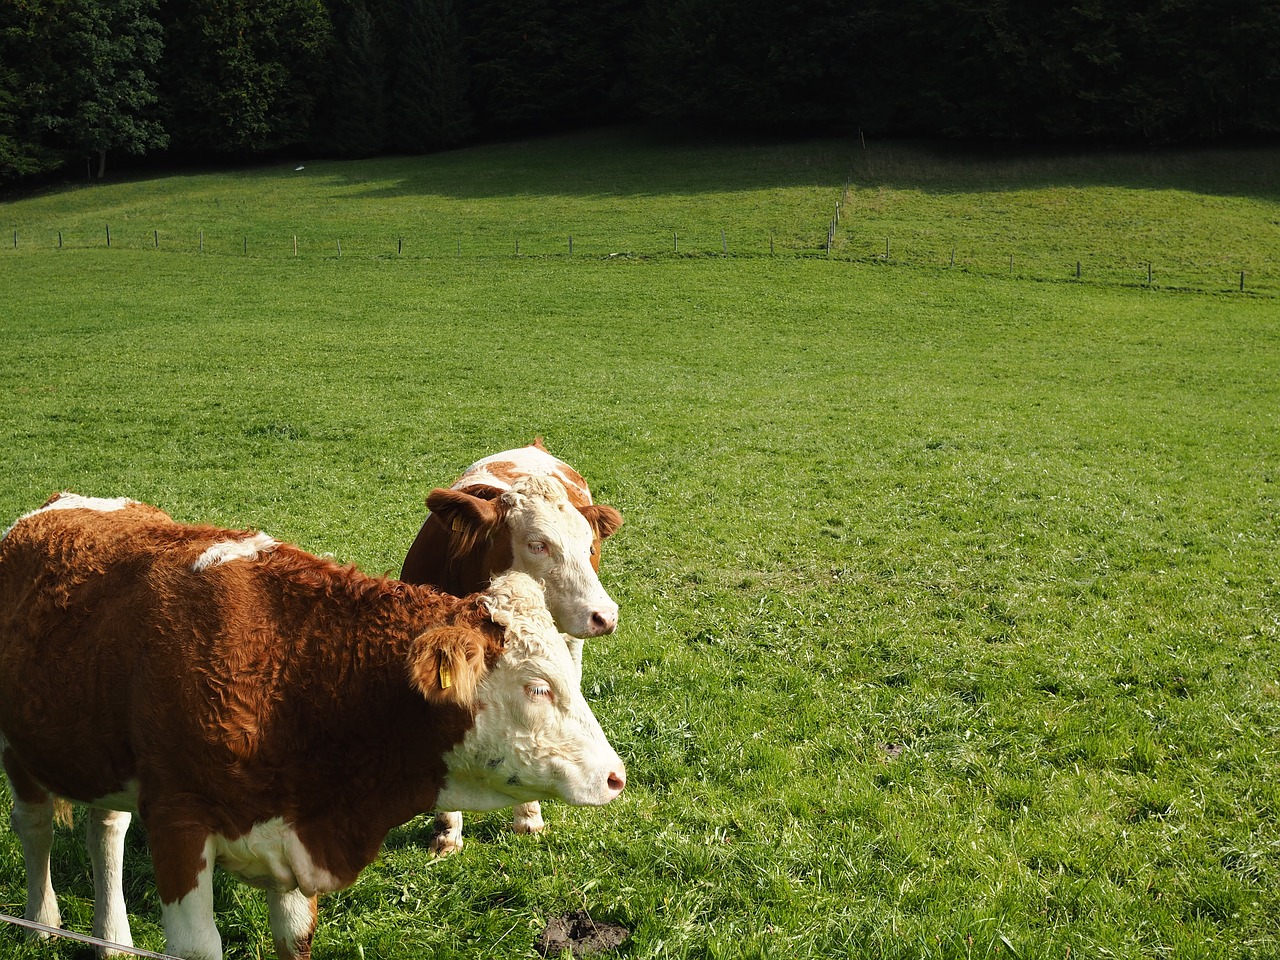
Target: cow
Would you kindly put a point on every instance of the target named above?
(262, 709)
(521, 509)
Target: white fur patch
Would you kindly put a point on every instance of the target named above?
(73, 501)
(272, 857)
(126, 800)
(224, 551)
(525, 462)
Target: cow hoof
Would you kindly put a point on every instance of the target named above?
(527, 817)
(445, 843)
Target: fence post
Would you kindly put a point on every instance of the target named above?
(571, 244)
(1077, 269)
(724, 244)
(295, 244)
(1242, 281)
(202, 241)
(675, 242)
(156, 234)
(108, 234)
(770, 243)
(953, 257)
(399, 246)
(59, 239)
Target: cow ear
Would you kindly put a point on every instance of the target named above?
(476, 504)
(447, 664)
(484, 491)
(469, 517)
(604, 520)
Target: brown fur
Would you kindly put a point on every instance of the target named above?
(474, 518)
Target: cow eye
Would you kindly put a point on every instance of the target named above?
(538, 690)
(537, 546)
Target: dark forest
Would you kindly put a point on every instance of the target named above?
(82, 80)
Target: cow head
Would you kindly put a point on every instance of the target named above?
(544, 535)
(534, 736)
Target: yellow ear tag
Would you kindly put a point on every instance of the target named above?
(446, 675)
(457, 524)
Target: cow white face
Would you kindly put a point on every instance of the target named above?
(535, 737)
(553, 542)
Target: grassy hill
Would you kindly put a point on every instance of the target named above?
(1197, 218)
(949, 595)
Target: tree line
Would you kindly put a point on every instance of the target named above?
(244, 78)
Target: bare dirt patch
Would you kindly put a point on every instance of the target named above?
(580, 935)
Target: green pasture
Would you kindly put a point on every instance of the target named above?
(950, 595)
(1194, 219)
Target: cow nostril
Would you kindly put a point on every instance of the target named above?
(617, 781)
(601, 623)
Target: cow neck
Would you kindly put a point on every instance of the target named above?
(375, 758)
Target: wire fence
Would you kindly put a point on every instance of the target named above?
(847, 239)
(99, 943)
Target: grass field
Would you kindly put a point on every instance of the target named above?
(950, 606)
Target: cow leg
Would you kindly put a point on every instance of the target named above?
(32, 821)
(106, 832)
(184, 879)
(446, 833)
(527, 818)
(293, 923)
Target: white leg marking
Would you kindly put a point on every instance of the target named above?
(446, 835)
(527, 818)
(33, 823)
(189, 930)
(224, 551)
(106, 832)
(292, 920)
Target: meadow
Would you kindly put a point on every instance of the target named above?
(950, 605)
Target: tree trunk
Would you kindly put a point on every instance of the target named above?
(102, 163)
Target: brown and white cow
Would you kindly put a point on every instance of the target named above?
(263, 709)
(526, 510)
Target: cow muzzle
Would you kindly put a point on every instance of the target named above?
(602, 620)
